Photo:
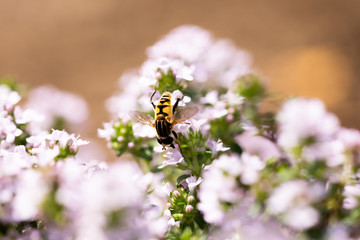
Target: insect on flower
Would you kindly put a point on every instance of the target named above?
(166, 116)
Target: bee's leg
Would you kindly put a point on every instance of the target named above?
(172, 145)
(177, 140)
(176, 104)
(151, 99)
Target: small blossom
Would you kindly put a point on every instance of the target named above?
(192, 182)
(173, 157)
(107, 132)
(301, 119)
(142, 130)
(8, 98)
(257, 145)
(216, 147)
(189, 208)
(190, 198)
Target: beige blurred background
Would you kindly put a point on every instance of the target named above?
(309, 48)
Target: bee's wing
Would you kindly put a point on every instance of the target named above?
(183, 113)
(142, 117)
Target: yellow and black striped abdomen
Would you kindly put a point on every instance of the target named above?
(163, 127)
(164, 106)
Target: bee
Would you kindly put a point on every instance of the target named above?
(166, 117)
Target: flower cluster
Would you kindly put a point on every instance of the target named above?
(227, 169)
(292, 174)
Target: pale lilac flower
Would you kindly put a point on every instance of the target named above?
(31, 190)
(257, 145)
(338, 232)
(13, 162)
(121, 104)
(108, 132)
(186, 42)
(302, 218)
(149, 69)
(182, 128)
(201, 125)
(289, 193)
(142, 130)
(301, 119)
(8, 98)
(333, 152)
(252, 165)
(61, 137)
(173, 156)
(71, 107)
(216, 146)
(223, 63)
(47, 156)
(192, 182)
(219, 186)
(27, 116)
(178, 94)
(293, 199)
(76, 142)
(211, 97)
(350, 137)
(351, 194)
(233, 99)
(238, 224)
(218, 61)
(215, 111)
(90, 205)
(8, 129)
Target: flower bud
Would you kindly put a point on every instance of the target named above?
(188, 208)
(229, 117)
(190, 198)
(176, 193)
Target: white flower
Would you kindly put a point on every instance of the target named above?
(13, 162)
(31, 190)
(351, 194)
(26, 116)
(173, 157)
(233, 99)
(257, 145)
(216, 147)
(219, 185)
(71, 107)
(301, 119)
(186, 42)
(8, 98)
(252, 165)
(107, 132)
(8, 129)
(61, 137)
(302, 218)
(210, 98)
(149, 70)
(330, 151)
(294, 199)
(142, 130)
(350, 137)
(192, 182)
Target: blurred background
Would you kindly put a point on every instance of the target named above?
(308, 48)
